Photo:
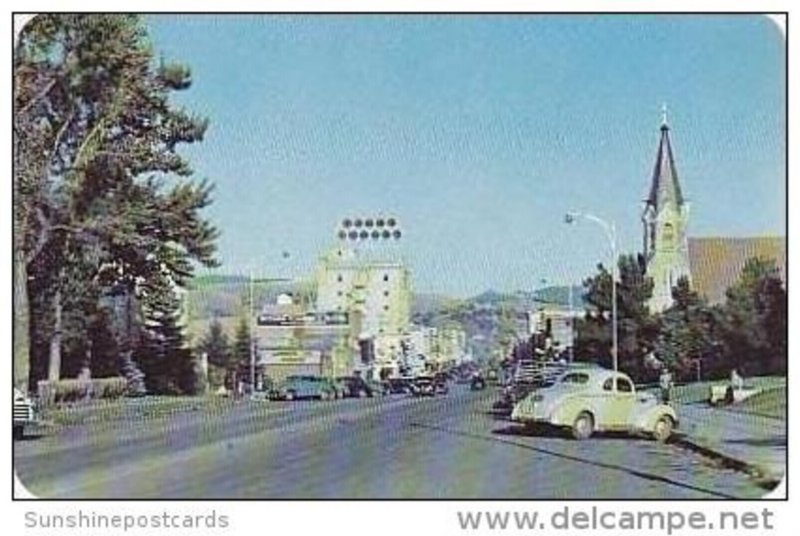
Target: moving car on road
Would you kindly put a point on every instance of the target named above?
(428, 386)
(585, 401)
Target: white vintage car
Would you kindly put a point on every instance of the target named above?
(584, 402)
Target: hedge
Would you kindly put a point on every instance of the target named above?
(74, 390)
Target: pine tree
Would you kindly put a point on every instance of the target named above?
(166, 361)
(240, 363)
(637, 329)
(755, 320)
(689, 335)
(95, 149)
(218, 352)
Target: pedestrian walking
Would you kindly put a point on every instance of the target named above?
(665, 382)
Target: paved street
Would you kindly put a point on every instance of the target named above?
(392, 447)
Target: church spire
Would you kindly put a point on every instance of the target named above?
(664, 185)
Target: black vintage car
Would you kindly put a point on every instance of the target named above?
(477, 382)
(398, 386)
(428, 386)
(356, 387)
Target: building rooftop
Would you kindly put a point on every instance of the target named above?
(717, 262)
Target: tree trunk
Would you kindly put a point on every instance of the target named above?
(125, 340)
(86, 368)
(54, 362)
(22, 346)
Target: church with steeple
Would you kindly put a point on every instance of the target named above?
(712, 263)
(664, 219)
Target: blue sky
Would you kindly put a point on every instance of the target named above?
(478, 133)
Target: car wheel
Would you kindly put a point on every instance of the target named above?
(663, 429)
(583, 427)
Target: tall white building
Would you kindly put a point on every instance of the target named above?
(364, 277)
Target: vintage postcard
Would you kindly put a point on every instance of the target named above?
(420, 256)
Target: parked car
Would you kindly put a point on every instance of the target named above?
(378, 387)
(263, 391)
(538, 376)
(357, 387)
(340, 387)
(478, 382)
(25, 414)
(584, 401)
(398, 386)
(305, 387)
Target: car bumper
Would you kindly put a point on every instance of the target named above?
(529, 412)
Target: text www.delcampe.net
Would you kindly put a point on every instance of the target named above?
(597, 519)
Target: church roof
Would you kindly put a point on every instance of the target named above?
(664, 185)
(716, 262)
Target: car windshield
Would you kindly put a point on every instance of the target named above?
(575, 377)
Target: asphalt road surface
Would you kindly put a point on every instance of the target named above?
(390, 447)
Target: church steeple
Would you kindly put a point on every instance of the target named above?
(664, 186)
(664, 223)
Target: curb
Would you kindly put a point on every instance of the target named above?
(764, 478)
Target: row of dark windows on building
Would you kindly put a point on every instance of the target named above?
(340, 278)
(341, 293)
(327, 318)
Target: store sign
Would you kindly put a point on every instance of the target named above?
(290, 357)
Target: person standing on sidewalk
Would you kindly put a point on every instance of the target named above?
(665, 382)
(736, 380)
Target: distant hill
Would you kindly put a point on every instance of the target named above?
(491, 315)
(484, 316)
(521, 300)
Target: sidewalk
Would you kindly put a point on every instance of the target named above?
(755, 442)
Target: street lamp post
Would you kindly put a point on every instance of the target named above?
(252, 338)
(571, 326)
(611, 234)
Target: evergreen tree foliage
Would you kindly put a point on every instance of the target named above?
(689, 338)
(240, 364)
(217, 348)
(637, 329)
(755, 320)
(104, 207)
